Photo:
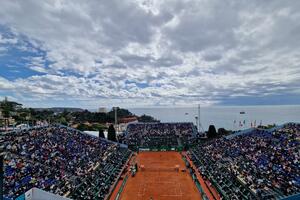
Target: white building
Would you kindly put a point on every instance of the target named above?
(102, 110)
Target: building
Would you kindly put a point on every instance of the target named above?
(128, 119)
(123, 122)
(102, 110)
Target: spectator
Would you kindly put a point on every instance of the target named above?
(60, 160)
(261, 164)
(156, 135)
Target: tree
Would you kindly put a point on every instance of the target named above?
(83, 127)
(23, 115)
(120, 112)
(63, 121)
(222, 131)
(111, 133)
(147, 118)
(211, 131)
(101, 133)
(7, 107)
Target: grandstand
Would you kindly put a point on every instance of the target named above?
(258, 164)
(159, 135)
(62, 161)
(67, 163)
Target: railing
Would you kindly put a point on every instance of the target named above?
(292, 197)
(121, 188)
(118, 178)
(197, 183)
(215, 185)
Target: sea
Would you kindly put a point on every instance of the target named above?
(228, 117)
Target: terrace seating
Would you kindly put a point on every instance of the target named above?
(158, 135)
(263, 165)
(62, 161)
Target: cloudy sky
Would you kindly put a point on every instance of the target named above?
(135, 53)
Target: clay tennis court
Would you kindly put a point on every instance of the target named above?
(159, 179)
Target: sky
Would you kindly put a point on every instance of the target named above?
(139, 53)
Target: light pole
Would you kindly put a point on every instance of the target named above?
(196, 118)
(116, 115)
(116, 118)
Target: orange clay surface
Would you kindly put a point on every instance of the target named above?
(159, 179)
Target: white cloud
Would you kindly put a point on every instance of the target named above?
(157, 52)
(5, 84)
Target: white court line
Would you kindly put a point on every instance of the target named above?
(171, 195)
(141, 193)
(143, 187)
(140, 188)
(156, 182)
(180, 190)
(144, 190)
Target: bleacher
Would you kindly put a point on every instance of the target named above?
(257, 165)
(61, 161)
(160, 141)
(226, 184)
(159, 135)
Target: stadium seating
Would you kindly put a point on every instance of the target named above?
(62, 161)
(157, 135)
(261, 164)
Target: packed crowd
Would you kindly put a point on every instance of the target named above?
(158, 134)
(262, 164)
(60, 160)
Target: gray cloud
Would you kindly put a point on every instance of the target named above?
(154, 52)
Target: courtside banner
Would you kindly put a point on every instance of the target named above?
(144, 149)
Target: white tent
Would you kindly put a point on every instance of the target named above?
(38, 194)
